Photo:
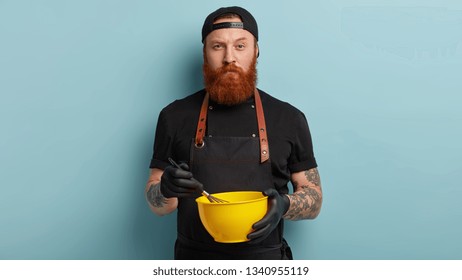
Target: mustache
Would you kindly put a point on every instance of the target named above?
(229, 68)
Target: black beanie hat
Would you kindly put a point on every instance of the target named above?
(248, 21)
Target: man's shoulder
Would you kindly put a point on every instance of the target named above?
(274, 104)
(190, 102)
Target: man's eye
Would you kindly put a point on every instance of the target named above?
(217, 46)
(241, 46)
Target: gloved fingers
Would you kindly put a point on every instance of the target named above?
(181, 189)
(188, 184)
(182, 192)
(184, 166)
(199, 186)
(270, 193)
(276, 200)
(265, 221)
(178, 191)
(177, 173)
(259, 235)
(178, 182)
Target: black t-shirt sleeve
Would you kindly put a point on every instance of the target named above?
(162, 143)
(302, 155)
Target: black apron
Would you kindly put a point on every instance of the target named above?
(225, 164)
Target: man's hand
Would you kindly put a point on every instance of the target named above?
(176, 182)
(277, 207)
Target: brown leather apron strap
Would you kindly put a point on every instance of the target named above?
(264, 146)
(200, 132)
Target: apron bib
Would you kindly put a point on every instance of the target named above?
(225, 164)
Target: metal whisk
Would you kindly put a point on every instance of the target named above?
(210, 197)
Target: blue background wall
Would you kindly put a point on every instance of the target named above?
(82, 83)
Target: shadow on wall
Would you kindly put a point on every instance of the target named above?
(186, 78)
(408, 32)
(193, 74)
(154, 237)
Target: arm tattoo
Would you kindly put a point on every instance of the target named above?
(155, 197)
(312, 176)
(306, 202)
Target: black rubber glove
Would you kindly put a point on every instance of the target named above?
(277, 207)
(176, 182)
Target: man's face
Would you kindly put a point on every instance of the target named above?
(230, 45)
(230, 64)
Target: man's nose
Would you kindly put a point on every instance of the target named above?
(229, 56)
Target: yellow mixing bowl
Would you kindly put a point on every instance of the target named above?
(231, 222)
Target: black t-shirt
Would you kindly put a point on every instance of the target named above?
(289, 137)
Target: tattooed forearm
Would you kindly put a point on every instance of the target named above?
(304, 204)
(155, 197)
(306, 201)
(312, 176)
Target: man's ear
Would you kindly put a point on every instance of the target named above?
(257, 50)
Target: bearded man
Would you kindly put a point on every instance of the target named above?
(232, 136)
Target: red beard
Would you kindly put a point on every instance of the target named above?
(230, 85)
